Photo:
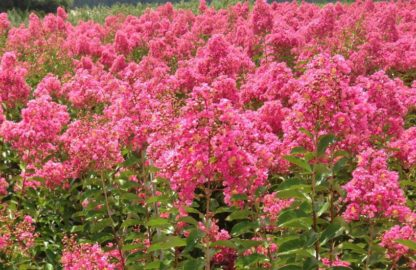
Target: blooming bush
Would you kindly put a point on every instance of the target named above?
(272, 136)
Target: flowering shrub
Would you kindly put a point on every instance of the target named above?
(277, 136)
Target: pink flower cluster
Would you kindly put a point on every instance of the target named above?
(374, 191)
(337, 262)
(213, 142)
(405, 147)
(86, 256)
(13, 87)
(3, 186)
(4, 23)
(272, 207)
(395, 250)
(15, 233)
(36, 136)
(215, 100)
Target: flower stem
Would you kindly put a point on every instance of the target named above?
(118, 240)
(207, 251)
(370, 245)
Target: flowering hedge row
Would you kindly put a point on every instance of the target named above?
(278, 136)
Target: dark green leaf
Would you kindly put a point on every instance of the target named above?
(299, 162)
(291, 245)
(189, 220)
(243, 227)
(332, 231)
(193, 264)
(169, 242)
(130, 222)
(324, 142)
(239, 214)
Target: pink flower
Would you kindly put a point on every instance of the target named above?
(91, 145)
(337, 262)
(86, 256)
(3, 186)
(406, 147)
(272, 206)
(262, 17)
(395, 251)
(13, 87)
(374, 191)
(4, 23)
(36, 136)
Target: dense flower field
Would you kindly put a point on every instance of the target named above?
(272, 136)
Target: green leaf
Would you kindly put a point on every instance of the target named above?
(311, 238)
(224, 243)
(340, 164)
(246, 243)
(131, 160)
(299, 162)
(298, 150)
(301, 223)
(250, 259)
(332, 231)
(324, 142)
(353, 247)
(153, 265)
(189, 220)
(169, 242)
(306, 132)
(192, 210)
(157, 222)
(292, 193)
(291, 245)
(130, 247)
(323, 209)
(156, 199)
(222, 209)
(192, 239)
(77, 228)
(292, 183)
(101, 225)
(311, 263)
(239, 214)
(291, 267)
(239, 197)
(243, 227)
(194, 264)
(129, 196)
(130, 222)
(408, 243)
